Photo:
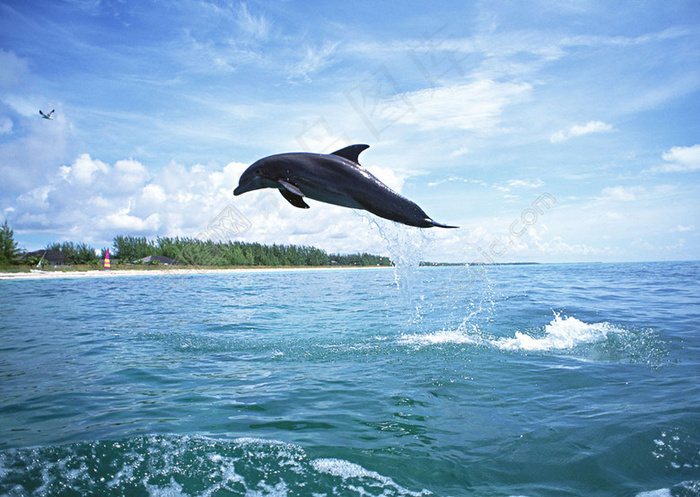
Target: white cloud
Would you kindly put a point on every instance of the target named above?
(123, 222)
(581, 130)
(128, 175)
(625, 194)
(92, 201)
(680, 159)
(153, 195)
(459, 152)
(89, 199)
(517, 183)
(525, 184)
(6, 125)
(26, 159)
(83, 170)
(13, 70)
(458, 179)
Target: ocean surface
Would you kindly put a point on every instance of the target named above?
(528, 380)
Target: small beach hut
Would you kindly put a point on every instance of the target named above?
(52, 257)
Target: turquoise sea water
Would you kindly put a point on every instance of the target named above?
(537, 380)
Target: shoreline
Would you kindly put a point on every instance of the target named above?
(35, 274)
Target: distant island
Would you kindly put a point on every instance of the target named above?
(452, 264)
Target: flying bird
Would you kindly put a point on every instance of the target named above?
(336, 178)
(47, 116)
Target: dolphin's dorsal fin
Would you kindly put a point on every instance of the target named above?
(295, 200)
(352, 152)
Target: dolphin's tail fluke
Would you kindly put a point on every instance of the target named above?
(430, 223)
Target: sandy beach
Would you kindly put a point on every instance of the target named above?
(35, 274)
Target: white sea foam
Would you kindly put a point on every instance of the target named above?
(691, 487)
(562, 333)
(343, 469)
(662, 492)
(347, 470)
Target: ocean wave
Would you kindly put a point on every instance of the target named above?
(176, 465)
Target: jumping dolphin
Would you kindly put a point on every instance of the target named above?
(47, 116)
(335, 178)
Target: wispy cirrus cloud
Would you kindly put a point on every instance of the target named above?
(476, 106)
(256, 42)
(253, 24)
(503, 187)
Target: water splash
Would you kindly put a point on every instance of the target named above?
(599, 342)
(478, 298)
(466, 300)
(563, 336)
(406, 246)
(562, 333)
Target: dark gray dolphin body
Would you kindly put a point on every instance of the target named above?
(335, 178)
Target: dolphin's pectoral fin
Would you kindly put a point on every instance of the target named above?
(293, 194)
(290, 187)
(295, 200)
(352, 152)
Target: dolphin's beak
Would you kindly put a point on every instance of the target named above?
(248, 186)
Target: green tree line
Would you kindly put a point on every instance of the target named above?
(192, 251)
(197, 252)
(80, 253)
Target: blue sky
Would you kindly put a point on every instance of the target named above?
(559, 132)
